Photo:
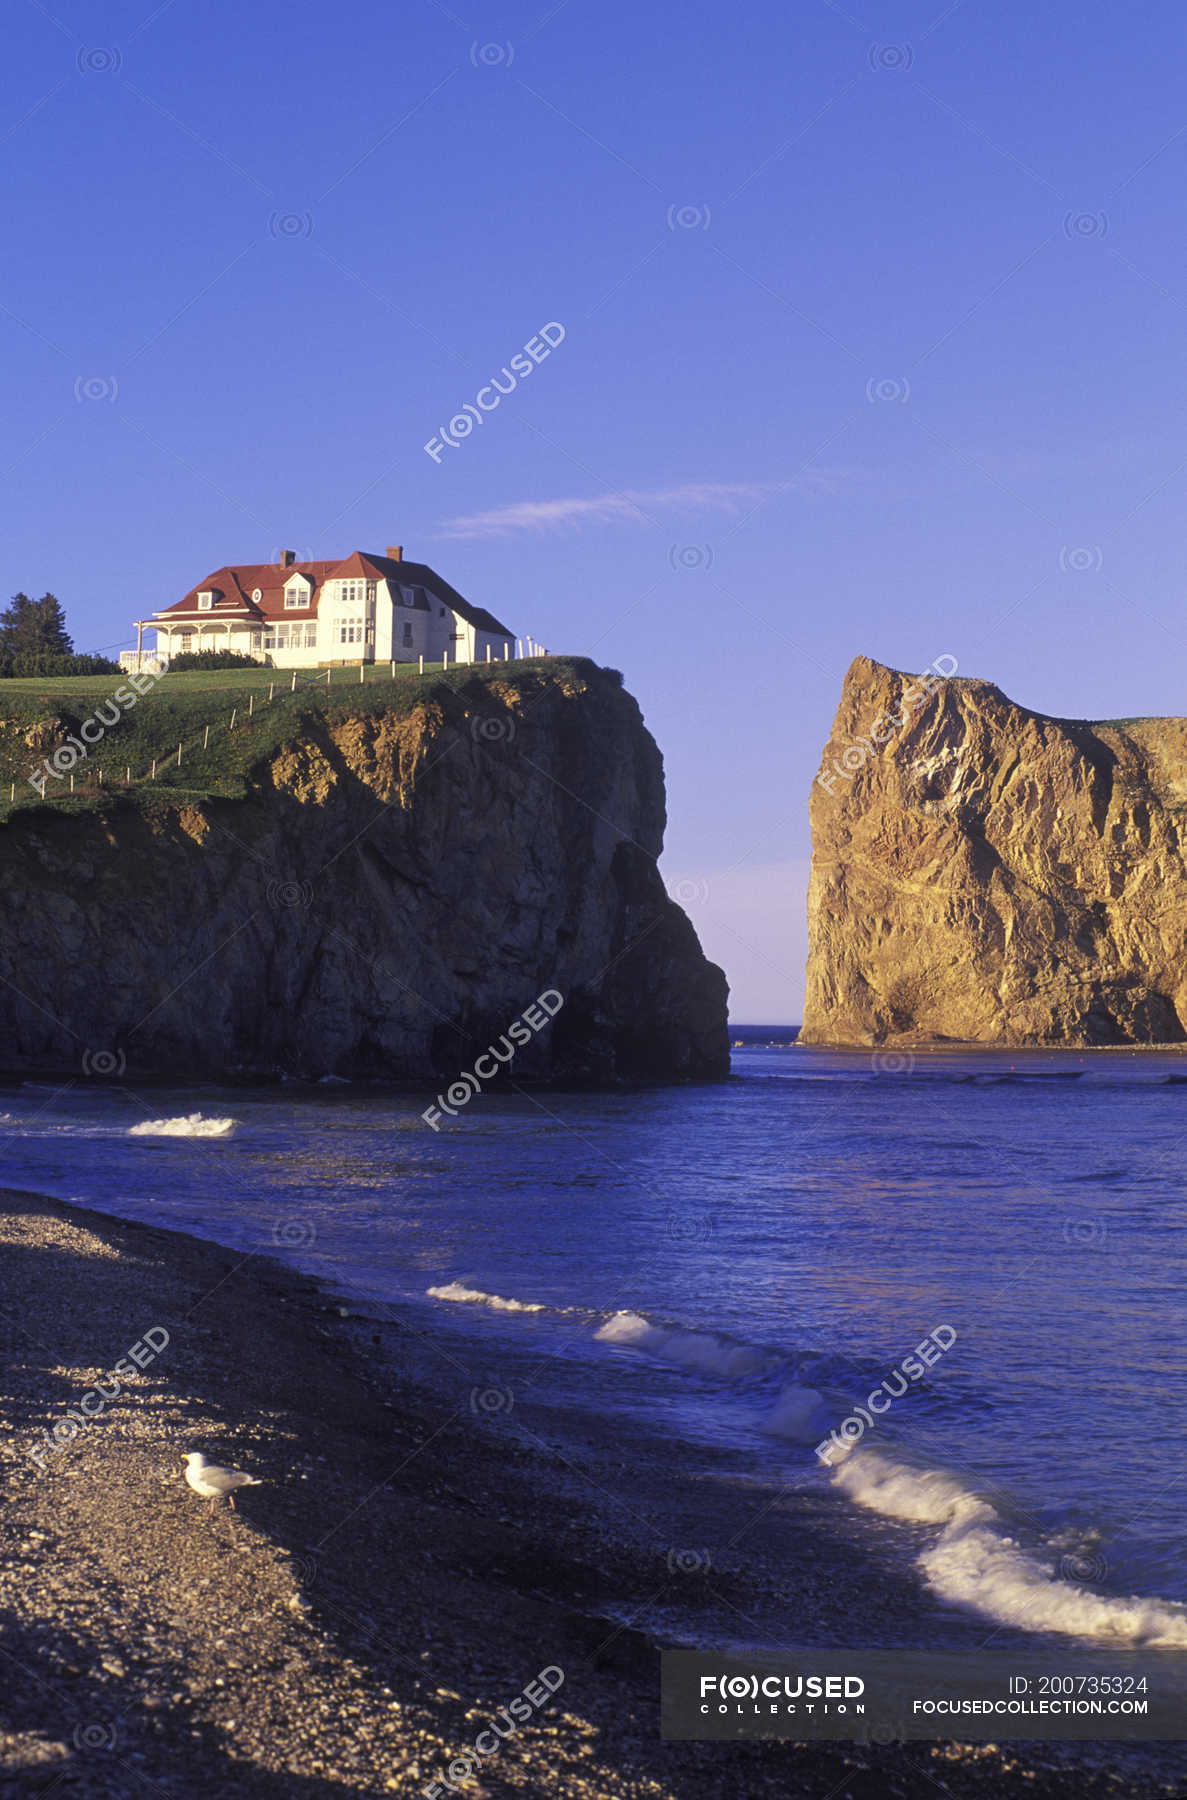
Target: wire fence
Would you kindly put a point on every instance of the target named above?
(50, 782)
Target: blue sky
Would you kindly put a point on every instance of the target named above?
(872, 318)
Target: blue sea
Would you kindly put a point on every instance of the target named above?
(961, 1273)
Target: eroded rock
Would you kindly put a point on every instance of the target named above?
(982, 873)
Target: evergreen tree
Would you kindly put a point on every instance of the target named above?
(33, 628)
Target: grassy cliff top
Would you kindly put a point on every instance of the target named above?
(45, 721)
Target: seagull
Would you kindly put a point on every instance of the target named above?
(207, 1479)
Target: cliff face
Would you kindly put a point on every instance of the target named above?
(391, 894)
(985, 874)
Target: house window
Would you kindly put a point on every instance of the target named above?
(355, 593)
(370, 593)
(205, 602)
(311, 635)
(350, 631)
(408, 633)
(295, 597)
(185, 639)
(256, 639)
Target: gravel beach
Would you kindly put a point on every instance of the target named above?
(355, 1624)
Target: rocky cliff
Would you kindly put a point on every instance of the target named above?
(985, 874)
(396, 886)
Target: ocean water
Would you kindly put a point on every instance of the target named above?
(717, 1279)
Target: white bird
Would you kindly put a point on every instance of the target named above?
(207, 1479)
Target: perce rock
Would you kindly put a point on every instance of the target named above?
(983, 874)
(390, 894)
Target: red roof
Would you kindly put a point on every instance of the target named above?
(237, 585)
(233, 587)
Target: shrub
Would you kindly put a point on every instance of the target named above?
(211, 659)
(48, 664)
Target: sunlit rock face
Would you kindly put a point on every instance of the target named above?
(390, 896)
(983, 874)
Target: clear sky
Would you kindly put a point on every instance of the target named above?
(874, 325)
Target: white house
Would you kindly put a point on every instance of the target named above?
(296, 615)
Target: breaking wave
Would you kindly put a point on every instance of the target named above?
(703, 1351)
(189, 1125)
(455, 1290)
(798, 1414)
(975, 1562)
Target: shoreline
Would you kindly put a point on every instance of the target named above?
(971, 1046)
(370, 1607)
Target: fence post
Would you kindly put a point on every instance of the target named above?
(328, 672)
(271, 689)
(362, 673)
(251, 704)
(100, 778)
(488, 653)
(231, 726)
(293, 689)
(393, 667)
(420, 664)
(127, 774)
(205, 737)
(518, 649)
(152, 775)
(179, 756)
(72, 781)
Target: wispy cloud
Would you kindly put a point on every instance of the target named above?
(637, 506)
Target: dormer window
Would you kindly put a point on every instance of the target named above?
(296, 595)
(205, 600)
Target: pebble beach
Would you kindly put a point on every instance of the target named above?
(355, 1626)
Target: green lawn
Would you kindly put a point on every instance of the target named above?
(187, 708)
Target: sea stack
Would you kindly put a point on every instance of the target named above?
(984, 874)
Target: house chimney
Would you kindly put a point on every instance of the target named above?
(288, 558)
(395, 552)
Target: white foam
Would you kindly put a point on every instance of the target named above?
(454, 1290)
(975, 1563)
(796, 1415)
(190, 1125)
(703, 1351)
